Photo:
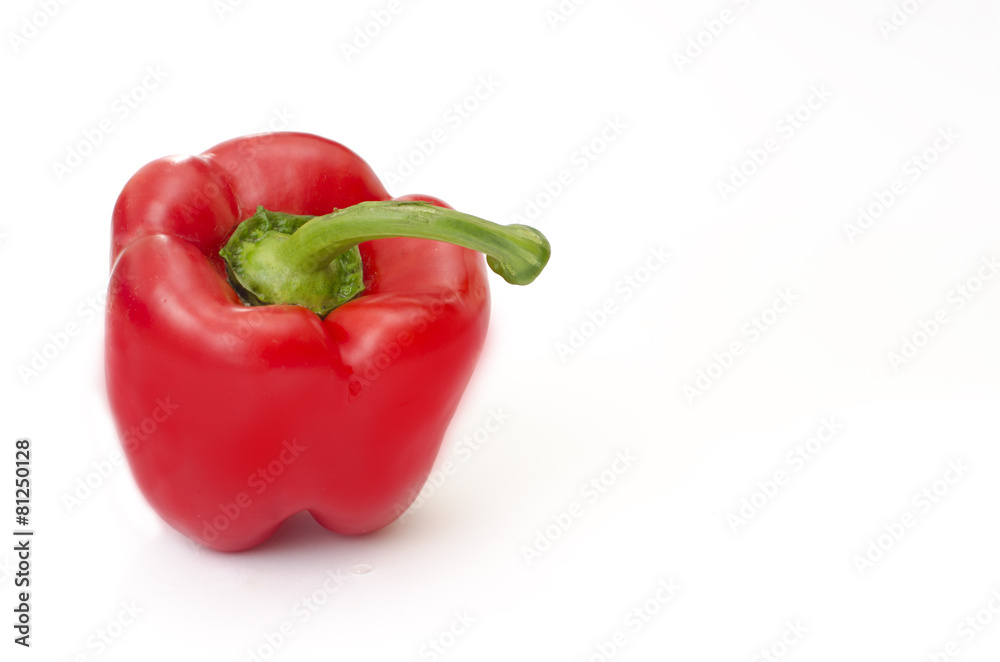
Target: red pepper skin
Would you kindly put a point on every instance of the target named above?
(234, 418)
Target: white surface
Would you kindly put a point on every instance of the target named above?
(667, 515)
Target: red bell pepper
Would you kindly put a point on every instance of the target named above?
(241, 401)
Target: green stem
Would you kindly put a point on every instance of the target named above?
(517, 252)
(280, 258)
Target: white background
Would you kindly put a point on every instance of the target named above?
(812, 572)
